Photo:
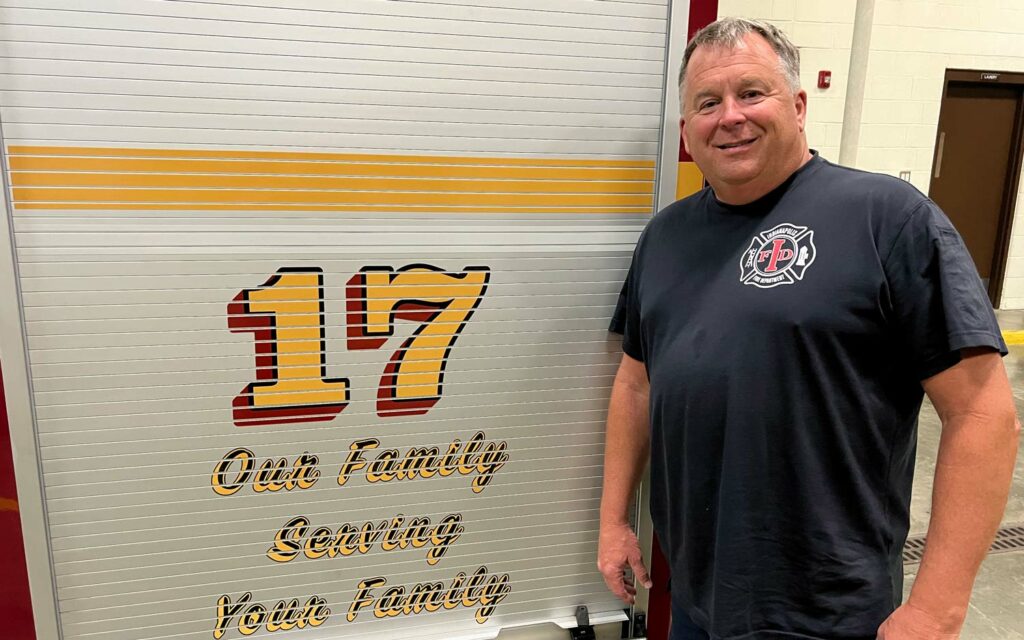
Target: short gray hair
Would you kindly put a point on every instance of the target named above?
(729, 33)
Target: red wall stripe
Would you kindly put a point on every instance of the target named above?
(15, 602)
(702, 13)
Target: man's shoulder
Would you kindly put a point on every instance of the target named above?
(889, 194)
(875, 201)
(688, 204)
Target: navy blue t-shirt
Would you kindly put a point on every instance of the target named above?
(786, 341)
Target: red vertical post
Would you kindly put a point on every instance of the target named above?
(702, 13)
(15, 601)
(659, 604)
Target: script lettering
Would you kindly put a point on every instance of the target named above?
(482, 589)
(475, 456)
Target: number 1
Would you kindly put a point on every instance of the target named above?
(286, 314)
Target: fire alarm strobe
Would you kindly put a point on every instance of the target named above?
(824, 79)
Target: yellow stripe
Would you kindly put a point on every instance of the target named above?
(1013, 337)
(295, 168)
(246, 196)
(120, 206)
(6, 504)
(167, 180)
(689, 180)
(345, 157)
(90, 178)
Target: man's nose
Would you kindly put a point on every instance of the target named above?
(732, 113)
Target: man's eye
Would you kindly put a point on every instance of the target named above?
(751, 94)
(707, 104)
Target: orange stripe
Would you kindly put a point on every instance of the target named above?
(120, 206)
(689, 180)
(293, 168)
(159, 180)
(6, 504)
(348, 157)
(89, 178)
(240, 196)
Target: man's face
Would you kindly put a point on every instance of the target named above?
(741, 121)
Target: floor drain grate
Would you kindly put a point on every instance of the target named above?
(1009, 538)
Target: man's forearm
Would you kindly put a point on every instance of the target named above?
(627, 444)
(972, 479)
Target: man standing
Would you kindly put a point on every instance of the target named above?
(780, 330)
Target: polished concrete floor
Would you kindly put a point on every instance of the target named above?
(997, 605)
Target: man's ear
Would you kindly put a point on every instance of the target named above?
(801, 109)
(682, 134)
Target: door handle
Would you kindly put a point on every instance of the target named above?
(938, 155)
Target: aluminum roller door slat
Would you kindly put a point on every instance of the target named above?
(504, 24)
(198, 421)
(553, 328)
(566, 13)
(103, 119)
(397, 500)
(499, 426)
(468, 381)
(304, 33)
(167, 552)
(469, 561)
(21, 102)
(531, 269)
(44, 133)
(326, 97)
(638, 9)
(291, 49)
(205, 60)
(245, 370)
(200, 427)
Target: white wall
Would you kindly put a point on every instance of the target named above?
(1013, 285)
(912, 45)
(913, 42)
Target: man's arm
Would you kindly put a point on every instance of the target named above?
(973, 474)
(627, 445)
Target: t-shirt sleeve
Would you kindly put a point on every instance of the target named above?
(626, 319)
(939, 305)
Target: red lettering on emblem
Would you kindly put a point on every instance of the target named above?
(777, 254)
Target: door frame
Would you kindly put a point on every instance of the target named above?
(1011, 182)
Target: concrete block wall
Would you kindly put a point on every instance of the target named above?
(913, 42)
(912, 45)
(1013, 284)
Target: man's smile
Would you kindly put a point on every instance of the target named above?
(739, 144)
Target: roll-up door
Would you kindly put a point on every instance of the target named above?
(315, 305)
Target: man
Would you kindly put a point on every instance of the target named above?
(780, 330)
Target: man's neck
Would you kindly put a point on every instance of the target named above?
(745, 194)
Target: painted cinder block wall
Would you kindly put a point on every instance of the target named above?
(913, 42)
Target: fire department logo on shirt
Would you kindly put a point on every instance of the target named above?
(779, 256)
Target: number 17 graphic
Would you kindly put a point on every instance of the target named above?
(286, 316)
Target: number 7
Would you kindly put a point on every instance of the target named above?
(441, 302)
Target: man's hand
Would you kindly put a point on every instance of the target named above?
(617, 550)
(913, 623)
